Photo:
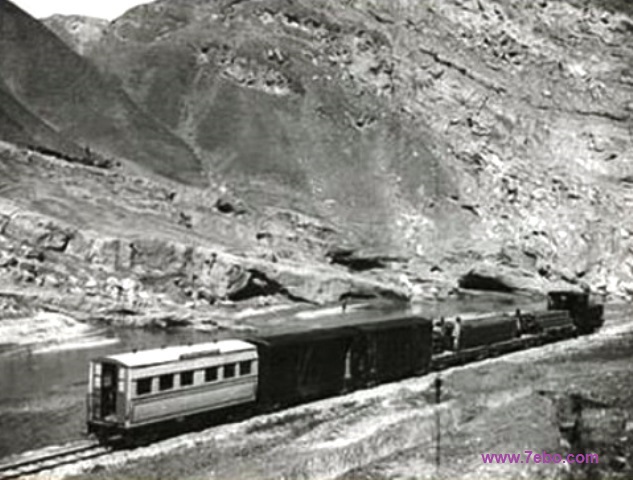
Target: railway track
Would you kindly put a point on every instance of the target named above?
(52, 460)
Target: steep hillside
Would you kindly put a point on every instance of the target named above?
(274, 119)
(409, 149)
(66, 91)
(19, 125)
(462, 131)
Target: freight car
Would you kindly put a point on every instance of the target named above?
(472, 337)
(133, 393)
(475, 337)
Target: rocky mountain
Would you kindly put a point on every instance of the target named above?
(411, 148)
(78, 32)
(271, 115)
(63, 90)
(447, 129)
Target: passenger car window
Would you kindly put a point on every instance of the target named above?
(229, 370)
(166, 382)
(245, 367)
(143, 386)
(186, 378)
(211, 374)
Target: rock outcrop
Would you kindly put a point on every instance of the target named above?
(534, 167)
(358, 148)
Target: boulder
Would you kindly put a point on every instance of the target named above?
(38, 230)
(51, 280)
(26, 226)
(150, 254)
(91, 287)
(105, 253)
(57, 239)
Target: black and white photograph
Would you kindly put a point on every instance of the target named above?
(316, 239)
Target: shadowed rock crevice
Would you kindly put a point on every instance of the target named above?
(252, 283)
(359, 261)
(485, 281)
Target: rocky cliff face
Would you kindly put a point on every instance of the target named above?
(456, 131)
(258, 99)
(426, 144)
(101, 243)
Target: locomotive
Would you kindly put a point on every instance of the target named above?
(467, 338)
(133, 394)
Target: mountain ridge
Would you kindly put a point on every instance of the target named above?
(67, 92)
(79, 32)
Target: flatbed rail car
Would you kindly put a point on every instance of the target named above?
(466, 338)
(553, 324)
(475, 337)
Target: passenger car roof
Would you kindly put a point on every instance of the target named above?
(159, 356)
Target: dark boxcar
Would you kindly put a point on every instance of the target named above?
(298, 367)
(488, 329)
(391, 350)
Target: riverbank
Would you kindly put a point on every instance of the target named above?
(48, 331)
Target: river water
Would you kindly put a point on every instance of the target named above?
(43, 395)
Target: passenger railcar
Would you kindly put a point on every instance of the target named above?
(130, 391)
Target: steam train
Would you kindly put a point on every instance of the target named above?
(131, 395)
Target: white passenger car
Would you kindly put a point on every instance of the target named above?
(133, 390)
